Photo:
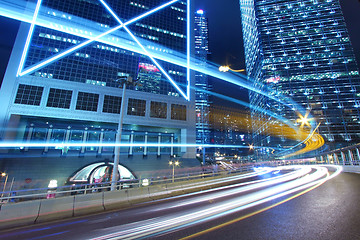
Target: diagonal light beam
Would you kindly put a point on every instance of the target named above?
(31, 31)
(72, 49)
(186, 96)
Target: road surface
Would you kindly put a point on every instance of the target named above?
(278, 205)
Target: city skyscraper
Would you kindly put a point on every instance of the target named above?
(302, 49)
(62, 83)
(202, 98)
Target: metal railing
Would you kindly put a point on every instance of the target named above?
(74, 189)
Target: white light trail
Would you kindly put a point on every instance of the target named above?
(97, 144)
(174, 222)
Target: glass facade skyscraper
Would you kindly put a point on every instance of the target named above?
(302, 50)
(63, 93)
(202, 98)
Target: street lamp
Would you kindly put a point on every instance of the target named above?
(227, 68)
(3, 174)
(251, 147)
(126, 80)
(173, 164)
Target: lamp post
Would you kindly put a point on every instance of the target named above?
(3, 174)
(227, 68)
(173, 164)
(124, 81)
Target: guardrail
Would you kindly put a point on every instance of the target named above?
(93, 199)
(15, 196)
(65, 206)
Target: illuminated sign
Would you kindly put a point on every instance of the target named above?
(148, 67)
(273, 79)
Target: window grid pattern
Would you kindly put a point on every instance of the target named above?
(101, 64)
(29, 95)
(87, 101)
(302, 50)
(136, 107)
(158, 109)
(112, 104)
(59, 98)
(178, 112)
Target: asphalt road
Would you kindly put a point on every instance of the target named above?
(329, 211)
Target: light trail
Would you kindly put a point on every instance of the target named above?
(97, 144)
(319, 183)
(11, 10)
(29, 12)
(246, 186)
(161, 225)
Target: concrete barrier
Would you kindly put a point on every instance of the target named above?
(138, 195)
(116, 200)
(56, 208)
(158, 191)
(19, 214)
(25, 213)
(89, 203)
(353, 169)
(175, 189)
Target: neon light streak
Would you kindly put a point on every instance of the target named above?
(186, 96)
(31, 31)
(70, 50)
(96, 144)
(188, 37)
(67, 52)
(175, 58)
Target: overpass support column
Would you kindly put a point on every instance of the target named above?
(358, 155)
(48, 137)
(321, 159)
(159, 142)
(84, 141)
(336, 160)
(328, 158)
(28, 139)
(67, 137)
(145, 142)
(131, 143)
(100, 141)
(172, 145)
(343, 157)
(351, 157)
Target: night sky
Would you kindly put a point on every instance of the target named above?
(225, 34)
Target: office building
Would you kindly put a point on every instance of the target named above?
(202, 98)
(302, 49)
(57, 92)
(231, 128)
